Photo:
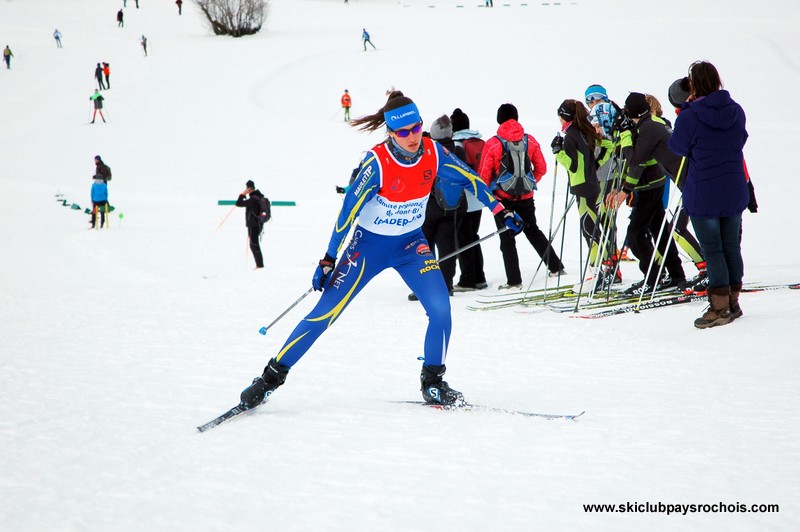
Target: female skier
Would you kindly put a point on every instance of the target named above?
(385, 207)
(575, 151)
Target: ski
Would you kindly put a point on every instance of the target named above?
(635, 307)
(233, 412)
(481, 408)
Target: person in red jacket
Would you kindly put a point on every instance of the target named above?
(511, 130)
(347, 102)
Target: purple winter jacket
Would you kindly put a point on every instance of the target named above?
(710, 132)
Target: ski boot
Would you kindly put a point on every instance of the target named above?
(255, 394)
(435, 391)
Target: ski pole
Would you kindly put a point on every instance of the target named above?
(225, 218)
(473, 244)
(263, 330)
(549, 243)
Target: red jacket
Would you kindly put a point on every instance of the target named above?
(493, 152)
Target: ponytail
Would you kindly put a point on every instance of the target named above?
(584, 126)
(376, 120)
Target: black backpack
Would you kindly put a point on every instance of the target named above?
(264, 214)
(515, 177)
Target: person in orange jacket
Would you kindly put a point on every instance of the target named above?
(347, 102)
(107, 74)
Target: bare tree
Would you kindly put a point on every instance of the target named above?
(234, 17)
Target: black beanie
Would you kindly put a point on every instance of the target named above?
(506, 112)
(678, 92)
(250, 184)
(459, 119)
(567, 110)
(636, 105)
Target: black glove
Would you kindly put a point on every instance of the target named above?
(752, 205)
(627, 125)
(322, 272)
(557, 144)
(340, 190)
(511, 220)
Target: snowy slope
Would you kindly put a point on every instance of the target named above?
(115, 345)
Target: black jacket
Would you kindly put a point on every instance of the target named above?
(253, 205)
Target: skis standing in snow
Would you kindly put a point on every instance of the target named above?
(385, 209)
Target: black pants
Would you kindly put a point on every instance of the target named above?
(526, 209)
(99, 206)
(440, 229)
(471, 260)
(647, 215)
(254, 232)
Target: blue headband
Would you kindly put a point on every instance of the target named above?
(402, 116)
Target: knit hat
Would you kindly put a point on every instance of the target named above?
(636, 105)
(678, 92)
(97, 158)
(567, 110)
(459, 119)
(250, 184)
(507, 112)
(442, 128)
(596, 92)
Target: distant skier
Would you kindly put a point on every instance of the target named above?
(107, 74)
(101, 170)
(365, 38)
(98, 75)
(180, 6)
(97, 98)
(99, 201)
(7, 55)
(251, 219)
(347, 102)
(120, 22)
(57, 37)
(143, 42)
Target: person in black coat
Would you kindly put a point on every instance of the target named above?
(98, 74)
(252, 204)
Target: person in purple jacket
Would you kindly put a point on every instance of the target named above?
(710, 132)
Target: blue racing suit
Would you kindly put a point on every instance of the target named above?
(388, 198)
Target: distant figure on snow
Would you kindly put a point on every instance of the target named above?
(99, 202)
(98, 75)
(97, 98)
(365, 38)
(143, 42)
(180, 5)
(101, 170)
(251, 219)
(107, 74)
(120, 22)
(57, 37)
(7, 55)
(346, 104)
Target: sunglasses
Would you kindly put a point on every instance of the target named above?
(403, 133)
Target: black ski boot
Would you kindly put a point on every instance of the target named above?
(436, 391)
(255, 394)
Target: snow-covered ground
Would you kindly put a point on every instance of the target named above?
(116, 344)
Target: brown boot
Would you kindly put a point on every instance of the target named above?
(736, 310)
(719, 312)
